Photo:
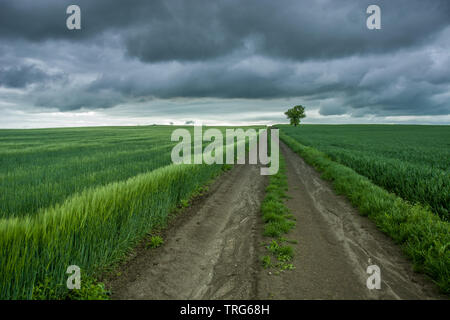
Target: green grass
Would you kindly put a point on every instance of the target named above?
(266, 261)
(283, 253)
(155, 242)
(411, 161)
(278, 220)
(90, 289)
(424, 237)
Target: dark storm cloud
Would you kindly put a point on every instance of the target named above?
(46, 19)
(318, 51)
(161, 30)
(76, 99)
(23, 75)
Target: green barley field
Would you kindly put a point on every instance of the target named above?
(411, 161)
(83, 196)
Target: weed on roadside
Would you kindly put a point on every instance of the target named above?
(266, 262)
(155, 242)
(90, 289)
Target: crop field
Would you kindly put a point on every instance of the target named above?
(83, 196)
(411, 161)
(39, 168)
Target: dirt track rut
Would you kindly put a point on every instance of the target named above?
(212, 251)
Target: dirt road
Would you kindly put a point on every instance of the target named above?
(213, 249)
(210, 252)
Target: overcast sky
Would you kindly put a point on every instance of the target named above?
(223, 62)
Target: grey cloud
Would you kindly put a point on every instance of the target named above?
(76, 98)
(46, 19)
(290, 29)
(408, 83)
(196, 30)
(23, 75)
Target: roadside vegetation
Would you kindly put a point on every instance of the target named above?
(422, 233)
(155, 242)
(278, 221)
(90, 289)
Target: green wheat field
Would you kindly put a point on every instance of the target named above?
(90, 194)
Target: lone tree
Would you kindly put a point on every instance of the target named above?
(295, 114)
